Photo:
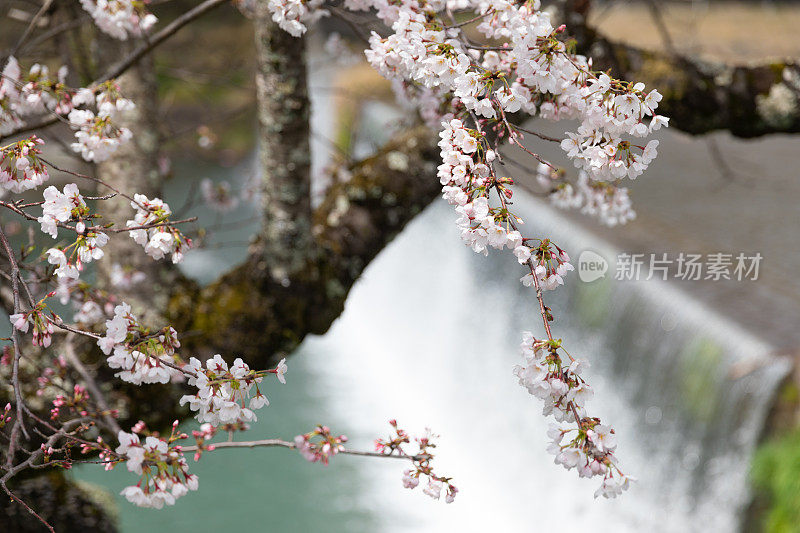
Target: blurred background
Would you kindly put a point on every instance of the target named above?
(697, 377)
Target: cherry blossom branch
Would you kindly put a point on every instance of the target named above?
(266, 443)
(127, 62)
(87, 177)
(536, 133)
(18, 421)
(512, 136)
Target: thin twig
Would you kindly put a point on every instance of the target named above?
(19, 424)
(34, 21)
(279, 443)
(97, 395)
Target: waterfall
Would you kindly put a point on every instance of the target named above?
(430, 334)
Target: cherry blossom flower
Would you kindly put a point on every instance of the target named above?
(590, 446)
(120, 19)
(20, 167)
(164, 473)
(141, 356)
(223, 392)
(218, 196)
(161, 238)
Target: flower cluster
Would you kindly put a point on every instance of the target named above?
(589, 446)
(549, 264)
(97, 136)
(319, 445)
(120, 18)
(589, 449)
(77, 403)
(61, 207)
(5, 418)
(20, 166)
(164, 473)
(151, 229)
(141, 356)
(226, 395)
(218, 196)
(42, 324)
(606, 201)
(466, 183)
(86, 248)
(9, 97)
(533, 72)
(422, 461)
(33, 93)
(293, 15)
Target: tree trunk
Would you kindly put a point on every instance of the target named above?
(285, 244)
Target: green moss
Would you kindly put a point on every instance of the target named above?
(672, 82)
(789, 394)
(775, 473)
(700, 363)
(230, 300)
(344, 128)
(777, 68)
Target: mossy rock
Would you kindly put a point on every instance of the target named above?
(66, 505)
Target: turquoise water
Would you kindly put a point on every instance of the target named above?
(272, 487)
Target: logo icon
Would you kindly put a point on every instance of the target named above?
(591, 266)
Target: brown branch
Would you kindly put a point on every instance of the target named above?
(19, 425)
(267, 443)
(42, 10)
(91, 384)
(30, 461)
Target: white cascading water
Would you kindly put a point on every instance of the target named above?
(430, 335)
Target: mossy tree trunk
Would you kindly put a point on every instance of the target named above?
(284, 110)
